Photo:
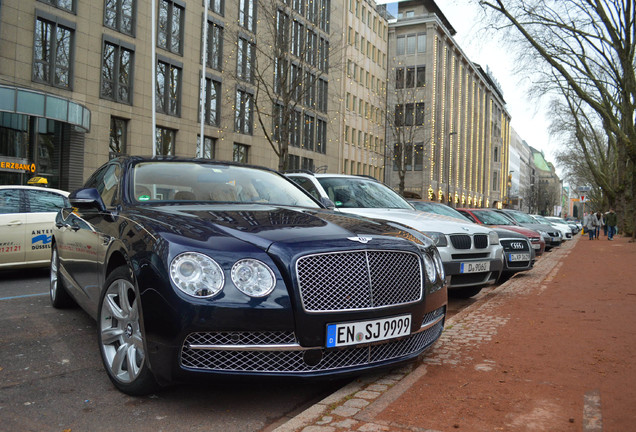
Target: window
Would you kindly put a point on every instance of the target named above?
(310, 89)
(420, 80)
(106, 181)
(117, 67)
(212, 106)
(217, 6)
(410, 14)
(321, 136)
(400, 45)
(399, 78)
(410, 77)
(421, 43)
(419, 113)
(308, 132)
(247, 14)
(42, 201)
(323, 55)
(118, 136)
(209, 147)
(323, 92)
(307, 164)
(495, 180)
(9, 201)
(240, 153)
(410, 44)
(407, 148)
(215, 46)
(52, 49)
(311, 46)
(296, 82)
(418, 157)
(496, 154)
(293, 163)
(298, 39)
(325, 12)
(294, 129)
(243, 112)
(67, 5)
(168, 93)
(170, 26)
(165, 140)
(120, 15)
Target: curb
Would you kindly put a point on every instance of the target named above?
(363, 399)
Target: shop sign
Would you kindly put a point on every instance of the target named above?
(16, 166)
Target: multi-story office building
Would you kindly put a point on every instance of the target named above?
(363, 87)
(447, 125)
(76, 83)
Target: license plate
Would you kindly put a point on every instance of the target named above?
(519, 257)
(536, 246)
(368, 331)
(475, 267)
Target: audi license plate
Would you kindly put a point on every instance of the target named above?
(368, 331)
(475, 267)
(519, 257)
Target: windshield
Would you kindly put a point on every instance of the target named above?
(492, 218)
(176, 181)
(439, 209)
(541, 219)
(349, 192)
(521, 217)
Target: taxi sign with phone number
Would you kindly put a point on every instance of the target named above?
(367, 331)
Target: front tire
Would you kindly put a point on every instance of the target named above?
(121, 336)
(60, 298)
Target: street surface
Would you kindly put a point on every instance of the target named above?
(52, 378)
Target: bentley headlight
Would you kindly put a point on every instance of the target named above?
(430, 267)
(493, 238)
(197, 275)
(253, 278)
(439, 265)
(438, 238)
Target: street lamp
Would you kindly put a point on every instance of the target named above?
(509, 184)
(448, 166)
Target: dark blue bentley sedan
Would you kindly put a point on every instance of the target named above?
(198, 267)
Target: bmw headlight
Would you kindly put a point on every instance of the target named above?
(253, 278)
(439, 265)
(438, 238)
(197, 275)
(430, 267)
(493, 238)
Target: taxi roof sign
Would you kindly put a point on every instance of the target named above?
(38, 181)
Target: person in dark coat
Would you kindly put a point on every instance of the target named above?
(611, 220)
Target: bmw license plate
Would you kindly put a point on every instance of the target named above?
(519, 257)
(475, 267)
(368, 331)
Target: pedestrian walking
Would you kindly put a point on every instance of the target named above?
(611, 220)
(590, 225)
(599, 222)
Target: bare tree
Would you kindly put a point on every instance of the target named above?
(589, 48)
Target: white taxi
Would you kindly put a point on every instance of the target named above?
(27, 214)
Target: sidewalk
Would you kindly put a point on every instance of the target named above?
(550, 350)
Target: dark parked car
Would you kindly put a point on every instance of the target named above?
(197, 267)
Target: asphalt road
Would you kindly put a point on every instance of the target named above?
(52, 379)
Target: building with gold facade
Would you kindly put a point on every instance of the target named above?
(457, 147)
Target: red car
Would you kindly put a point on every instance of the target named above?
(491, 218)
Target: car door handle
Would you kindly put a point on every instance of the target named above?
(14, 223)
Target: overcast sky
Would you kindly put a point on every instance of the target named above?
(527, 117)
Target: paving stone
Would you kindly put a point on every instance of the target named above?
(365, 394)
(343, 411)
(319, 429)
(346, 423)
(356, 403)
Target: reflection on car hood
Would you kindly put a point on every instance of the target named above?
(504, 233)
(264, 225)
(419, 220)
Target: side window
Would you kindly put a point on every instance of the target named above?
(106, 181)
(9, 201)
(308, 186)
(469, 216)
(45, 201)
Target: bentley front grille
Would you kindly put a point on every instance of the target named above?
(290, 359)
(359, 280)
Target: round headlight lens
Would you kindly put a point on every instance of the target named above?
(430, 267)
(439, 265)
(197, 275)
(253, 278)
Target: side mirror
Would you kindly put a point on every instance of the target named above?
(327, 203)
(87, 199)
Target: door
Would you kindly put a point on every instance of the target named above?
(12, 228)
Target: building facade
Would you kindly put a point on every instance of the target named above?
(76, 83)
(457, 144)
